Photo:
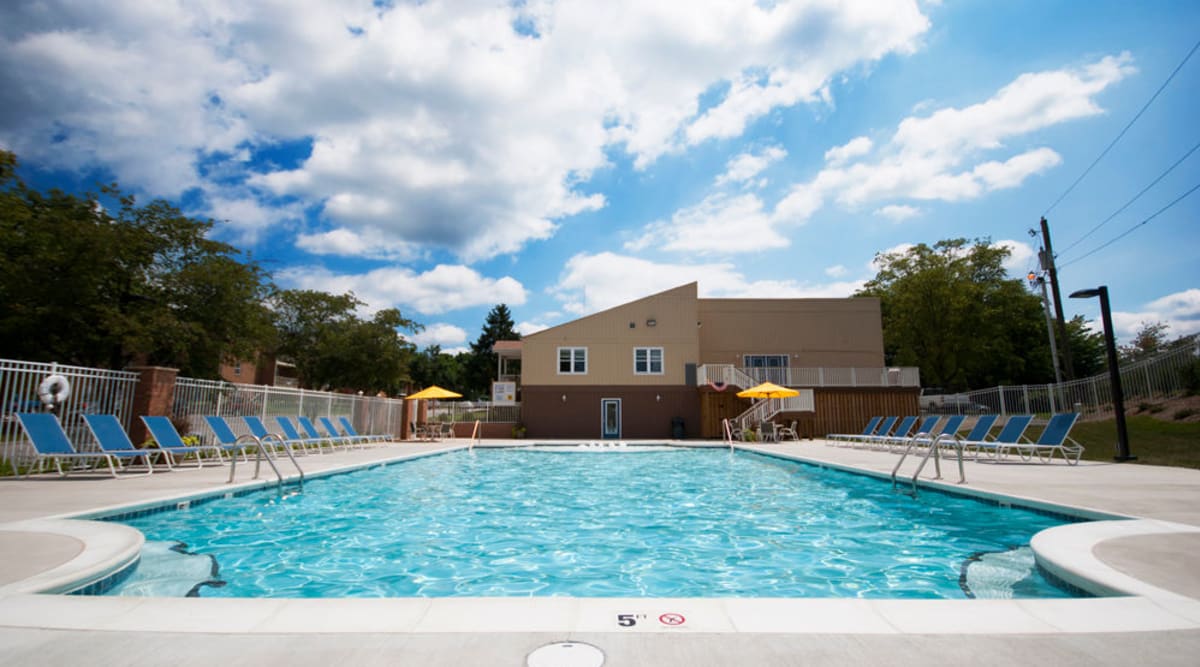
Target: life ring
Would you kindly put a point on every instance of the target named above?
(54, 390)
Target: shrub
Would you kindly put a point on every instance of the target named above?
(1189, 376)
(1184, 413)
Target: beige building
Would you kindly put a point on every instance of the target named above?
(671, 364)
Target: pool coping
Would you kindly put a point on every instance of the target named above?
(1065, 551)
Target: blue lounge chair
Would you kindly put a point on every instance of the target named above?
(929, 433)
(290, 432)
(112, 438)
(1054, 439)
(1008, 437)
(169, 440)
(867, 430)
(923, 434)
(50, 442)
(979, 432)
(901, 431)
(260, 431)
(331, 432)
(349, 429)
(227, 440)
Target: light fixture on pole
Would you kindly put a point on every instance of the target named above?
(1114, 371)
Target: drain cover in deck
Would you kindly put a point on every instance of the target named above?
(566, 654)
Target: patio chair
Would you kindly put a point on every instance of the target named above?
(788, 432)
(1054, 438)
(1008, 437)
(291, 434)
(111, 437)
(867, 430)
(349, 429)
(50, 442)
(333, 431)
(169, 440)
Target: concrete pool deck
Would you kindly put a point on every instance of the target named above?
(1151, 559)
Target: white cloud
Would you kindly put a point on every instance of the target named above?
(839, 155)
(746, 166)
(442, 289)
(433, 124)
(718, 225)
(925, 157)
(1179, 311)
(441, 334)
(1010, 173)
(898, 212)
(369, 243)
(594, 282)
(525, 328)
(836, 271)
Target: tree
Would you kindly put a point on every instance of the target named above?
(1087, 348)
(1150, 340)
(432, 366)
(481, 369)
(951, 310)
(333, 347)
(81, 285)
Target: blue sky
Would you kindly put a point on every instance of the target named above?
(565, 157)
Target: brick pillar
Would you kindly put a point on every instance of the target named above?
(154, 396)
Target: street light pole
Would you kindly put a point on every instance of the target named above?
(1114, 371)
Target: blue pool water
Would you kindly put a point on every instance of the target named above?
(676, 523)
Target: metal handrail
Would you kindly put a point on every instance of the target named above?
(261, 453)
(934, 450)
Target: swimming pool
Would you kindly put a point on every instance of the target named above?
(673, 523)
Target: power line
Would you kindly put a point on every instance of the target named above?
(1126, 129)
(1129, 231)
(1135, 198)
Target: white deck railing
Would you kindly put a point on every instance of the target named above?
(728, 374)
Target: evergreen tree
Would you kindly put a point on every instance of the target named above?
(481, 369)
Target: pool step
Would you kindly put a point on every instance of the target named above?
(167, 570)
(996, 575)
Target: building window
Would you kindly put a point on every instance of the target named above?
(572, 361)
(647, 361)
(237, 368)
(768, 367)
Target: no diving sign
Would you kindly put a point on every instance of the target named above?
(668, 619)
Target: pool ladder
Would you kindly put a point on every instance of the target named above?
(934, 450)
(261, 453)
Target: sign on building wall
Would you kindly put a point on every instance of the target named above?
(504, 393)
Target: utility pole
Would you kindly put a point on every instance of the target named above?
(1038, 281)
(1047, 260)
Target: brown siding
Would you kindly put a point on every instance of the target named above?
(848, 410)
(547, 415)
(837, 410)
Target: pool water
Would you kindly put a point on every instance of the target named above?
(674, 523)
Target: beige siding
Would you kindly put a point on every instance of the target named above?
(610, 338)
(830, 333)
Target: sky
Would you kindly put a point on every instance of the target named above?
(567, 157)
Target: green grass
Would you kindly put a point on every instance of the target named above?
(1152, 441)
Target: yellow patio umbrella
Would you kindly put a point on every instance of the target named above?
(768, 390)
(434, 392)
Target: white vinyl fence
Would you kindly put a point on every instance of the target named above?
(1144, 381)
(195, 399)
(91, 391)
